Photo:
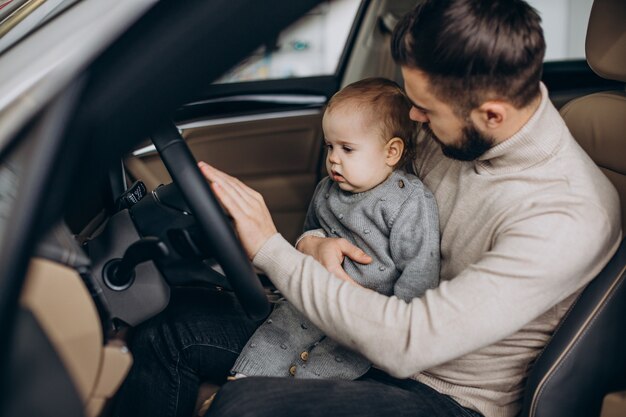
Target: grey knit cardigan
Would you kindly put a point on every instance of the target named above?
(397, 224)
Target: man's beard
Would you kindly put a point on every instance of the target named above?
(471, 146)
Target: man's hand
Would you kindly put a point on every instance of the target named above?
(330, 252)
(251, 216)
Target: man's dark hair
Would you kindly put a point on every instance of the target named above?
(474, 50)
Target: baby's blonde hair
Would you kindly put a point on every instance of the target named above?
(387, 103)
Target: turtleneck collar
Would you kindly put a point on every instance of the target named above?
(533, 143)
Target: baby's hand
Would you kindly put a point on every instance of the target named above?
(330, 252)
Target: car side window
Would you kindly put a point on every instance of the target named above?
(564, 24)
(312, 46)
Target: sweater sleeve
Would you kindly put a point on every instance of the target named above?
(539, 259)
(414, 245)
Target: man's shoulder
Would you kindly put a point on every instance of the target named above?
(579, 175)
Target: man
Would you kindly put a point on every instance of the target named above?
(527, 219)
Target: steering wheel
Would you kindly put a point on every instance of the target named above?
(212, 220)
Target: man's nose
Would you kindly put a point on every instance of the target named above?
(418, 116)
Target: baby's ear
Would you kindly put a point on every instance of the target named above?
(394, 149)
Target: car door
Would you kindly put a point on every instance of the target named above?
(261, 122)
(70, 115)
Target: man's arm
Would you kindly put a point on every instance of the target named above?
(528, 270)
(330, 252)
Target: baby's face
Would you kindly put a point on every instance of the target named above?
(356, 154)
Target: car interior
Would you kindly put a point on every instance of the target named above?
(150, 222)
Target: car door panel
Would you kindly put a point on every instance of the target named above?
(276, 153)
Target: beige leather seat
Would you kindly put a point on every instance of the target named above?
(598, 121)
(586, 358)
(59, 301)
(57, 295)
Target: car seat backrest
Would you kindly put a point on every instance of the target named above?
(586, 357)
(605, 44)
(598, 121)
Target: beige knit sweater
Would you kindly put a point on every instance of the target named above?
(524, 228)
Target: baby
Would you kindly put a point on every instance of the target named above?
(371, 199)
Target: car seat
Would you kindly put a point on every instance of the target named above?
(586, 357)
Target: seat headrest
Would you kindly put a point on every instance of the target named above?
(605, 45)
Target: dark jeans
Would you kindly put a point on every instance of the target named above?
(199, 336)
(195, 339)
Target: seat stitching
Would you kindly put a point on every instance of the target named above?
(582, 331)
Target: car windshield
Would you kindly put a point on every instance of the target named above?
(312, 46)
(18, 18)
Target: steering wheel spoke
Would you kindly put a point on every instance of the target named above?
(212, 220)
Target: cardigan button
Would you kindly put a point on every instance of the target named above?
(400, 183)
(292, 370)
(304, 355)
(283, 346)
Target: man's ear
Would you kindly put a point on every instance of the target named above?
(490, 115)
(394, 149)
